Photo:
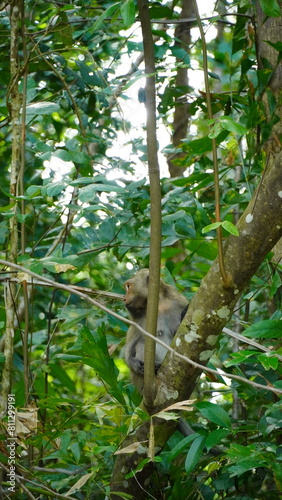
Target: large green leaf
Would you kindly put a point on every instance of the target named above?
(268, 361)
(268, 329)
(194, 453)
(242, 467)
(110, 11)
(270, 8)
(128, 12)
(214, 413)
(42, 108)
(215, 437)
(232, 125)
(182, 445)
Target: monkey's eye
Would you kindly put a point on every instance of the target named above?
(127, 287)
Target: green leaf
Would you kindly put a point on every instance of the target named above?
(215, 130)
(86, 180)
(185, 227)
(109, 188)
(181, 54)
(230, 228)
(240, 357)
(214, 413)
(107, 13)
(277, 46)
(88, 193)
(240, 453)
(211, 227)
(42, 108)
(128, 12)
(277, 471)
(89, 75)
(270, 8)
(275, 285)
(174, 216)
(157, 11)
(54, 189)
(268, 361)
(32, 264)
(232, 126)
(6, 208)
(61, 376)
(181, 446)
(107, 230)
(268, 329)
(33, 191)
(65, 439)
(215, 437)
(75, 448)
(194, 453)
(63, 31)
(62, 154)
(198, 146)
(79, 157)
(237, 470)
(22, 218)
(213, 75)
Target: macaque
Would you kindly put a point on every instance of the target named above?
(172, 308)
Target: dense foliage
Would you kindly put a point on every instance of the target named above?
(83, 216)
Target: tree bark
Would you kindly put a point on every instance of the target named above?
(15, 109)
(155, 209)
(181, 111)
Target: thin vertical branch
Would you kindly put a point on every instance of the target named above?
(225, 276)
(15, 107)
(21, 192)
(155, 195)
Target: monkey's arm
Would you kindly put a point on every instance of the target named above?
(134, 351)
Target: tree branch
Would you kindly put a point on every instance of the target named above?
(15, 108)
(225, 276)
(155, 197)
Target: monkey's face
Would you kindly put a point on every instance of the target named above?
(135, 299)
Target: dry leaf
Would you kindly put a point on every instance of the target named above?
(62, 268)
(81, 482)
(132, 448)
(181, 406)
(26, 421)
(23, 277)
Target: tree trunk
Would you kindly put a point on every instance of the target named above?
(10, 292)
(181, 112)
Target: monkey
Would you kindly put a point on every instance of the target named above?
(171, 311)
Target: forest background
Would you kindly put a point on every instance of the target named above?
(77, 220)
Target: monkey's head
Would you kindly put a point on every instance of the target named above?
(136, 293)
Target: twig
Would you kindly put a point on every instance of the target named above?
(242, 338)
(17, 479)
(89, 291)
(226, 278)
